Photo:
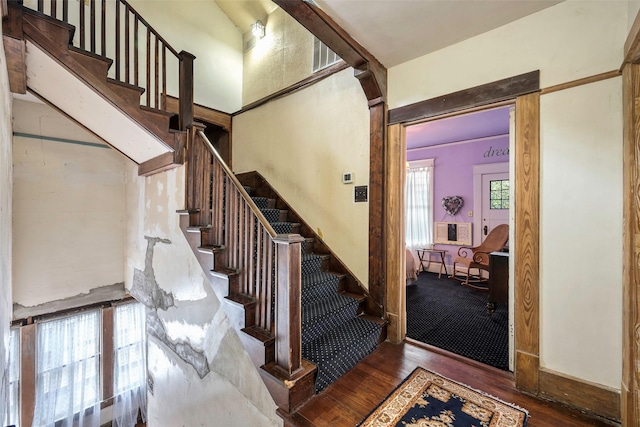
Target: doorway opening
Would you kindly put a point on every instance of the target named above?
(468, 157)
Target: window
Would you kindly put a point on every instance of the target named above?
(14, 378)
(499, 196)
(67, 374)
(129, 364)
(419, 204)
(322, 55)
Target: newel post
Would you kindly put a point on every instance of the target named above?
(186, 89)
(288, 323)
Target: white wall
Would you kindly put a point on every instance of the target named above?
(302, 144)
(581, 231)
(206, 32)
(68, 209)
(5, 230)
(183, 312)
(582, 139)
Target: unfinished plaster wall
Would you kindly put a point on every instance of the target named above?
(198, 368)
(5, 230)
(302, 144)
(68, 213)
(278, 60)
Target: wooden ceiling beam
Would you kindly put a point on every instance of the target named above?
(369, 71)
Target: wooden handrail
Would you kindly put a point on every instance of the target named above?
(254, 250)
(256, 211)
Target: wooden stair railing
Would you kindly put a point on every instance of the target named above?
(141, 56)
(266, 268)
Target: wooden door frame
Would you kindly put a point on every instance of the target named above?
(524, 90)
(630, 387)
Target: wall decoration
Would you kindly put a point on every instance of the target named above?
(453, 233)
(452, 204)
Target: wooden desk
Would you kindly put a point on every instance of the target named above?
(498, 280)
(424, 255)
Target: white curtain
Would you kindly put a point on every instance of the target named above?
(419, 206)
(14, 377)
(130, 367)
(67, 382)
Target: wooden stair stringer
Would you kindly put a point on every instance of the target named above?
(53, 36)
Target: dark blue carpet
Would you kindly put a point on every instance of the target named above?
(453, 317)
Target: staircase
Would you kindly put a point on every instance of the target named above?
(130, 90)
(336, 334)
(302, 316)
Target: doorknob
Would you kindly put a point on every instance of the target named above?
(485, 229)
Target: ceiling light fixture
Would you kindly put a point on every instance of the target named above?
(257, 29)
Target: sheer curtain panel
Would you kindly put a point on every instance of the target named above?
(14, 379)
(130, 367)
(419, 205)
(67, 375)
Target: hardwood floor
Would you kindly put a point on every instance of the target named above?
(352, 397)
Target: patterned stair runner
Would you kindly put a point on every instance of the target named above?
(334, 337)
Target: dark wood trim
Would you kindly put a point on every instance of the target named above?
(630, 386)
(14, 50)
(586, 396)
(377, 211)
(527, 238)
(163, 162)
(485, 94)
(580, 82)
(107, 353)
(28, 341)
(320, 75)
(395, 226)
(337, 39)
(201, 113)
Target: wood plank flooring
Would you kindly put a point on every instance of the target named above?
(352, 397)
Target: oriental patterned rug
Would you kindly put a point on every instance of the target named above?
(426, 399)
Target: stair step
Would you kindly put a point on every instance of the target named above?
(286, 227)
(339, 350)
(307, 245)
(129, 92)
(210, 249)
(325, 314)
(262, 202)
(274, 215)
(319, 285)
(98, 63)
(198, 228)
(312, 263)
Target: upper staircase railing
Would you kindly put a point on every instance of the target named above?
(268, 265)
(141, 56)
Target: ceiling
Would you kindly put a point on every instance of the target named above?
(396, 31)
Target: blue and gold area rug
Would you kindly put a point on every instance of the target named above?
(425, 399)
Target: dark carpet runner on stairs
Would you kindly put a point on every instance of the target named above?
(334, 337)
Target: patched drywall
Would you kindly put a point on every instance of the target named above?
(68, 209)
(281, 58)
(302, 144)
(198, 366)
(5, 229)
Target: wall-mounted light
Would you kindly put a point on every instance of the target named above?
(257, 29)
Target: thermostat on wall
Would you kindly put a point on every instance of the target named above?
(347, 178)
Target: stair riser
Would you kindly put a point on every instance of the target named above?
(319, 326)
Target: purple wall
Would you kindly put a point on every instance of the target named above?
(453, 175)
